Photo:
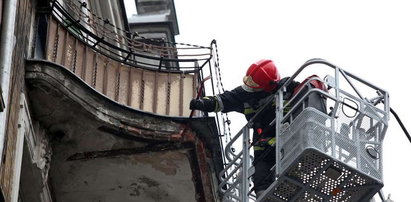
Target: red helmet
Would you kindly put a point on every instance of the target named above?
(262, 75)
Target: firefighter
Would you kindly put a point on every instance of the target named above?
(261, 80)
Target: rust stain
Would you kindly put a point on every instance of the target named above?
(189, 136)
(185, 134)
(202, 163)
(176, 136)
(133, 130)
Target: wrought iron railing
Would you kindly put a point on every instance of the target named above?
(156, 76)
(127, 47)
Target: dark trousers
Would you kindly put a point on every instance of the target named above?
(264, 160)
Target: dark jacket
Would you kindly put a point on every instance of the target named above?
(243, 100)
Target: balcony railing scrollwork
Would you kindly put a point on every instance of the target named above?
(124, 46)
(159, 77)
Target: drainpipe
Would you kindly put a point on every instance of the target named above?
(6, 52)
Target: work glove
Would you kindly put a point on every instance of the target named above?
(207, 104)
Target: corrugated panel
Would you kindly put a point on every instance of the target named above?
(188, 93)
(175, 94)
(90, 59)
(135, 90)
(161, 99)
(149, 90)
(99, 72)
(69, 51)
(51, 39)
(59, 44)
(124, 85)
(80, 61)
(111, 80)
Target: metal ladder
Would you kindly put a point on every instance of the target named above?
(327, 155)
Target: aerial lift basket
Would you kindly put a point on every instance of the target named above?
(330, 154)
(329, 142)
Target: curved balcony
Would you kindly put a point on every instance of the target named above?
(117, 115)
(155, 78)
(106, 144)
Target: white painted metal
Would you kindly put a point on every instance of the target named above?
(376, 108)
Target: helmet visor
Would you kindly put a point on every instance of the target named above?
(248, 81)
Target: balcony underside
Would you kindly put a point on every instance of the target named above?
(105, 151)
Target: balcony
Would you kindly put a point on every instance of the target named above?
(146, 74)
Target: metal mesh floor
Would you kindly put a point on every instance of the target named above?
(315, 177)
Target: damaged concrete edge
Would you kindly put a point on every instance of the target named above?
(112, 153)
(107, 110)
(125, 121)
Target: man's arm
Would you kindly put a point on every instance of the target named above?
(226, 102)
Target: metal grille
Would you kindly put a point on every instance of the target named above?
(329, 159)
(328, 145)
(314, 176)
(348, 143)
(310, 197)
(286, 190)
(304, 132)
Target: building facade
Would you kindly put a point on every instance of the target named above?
(94, 106)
